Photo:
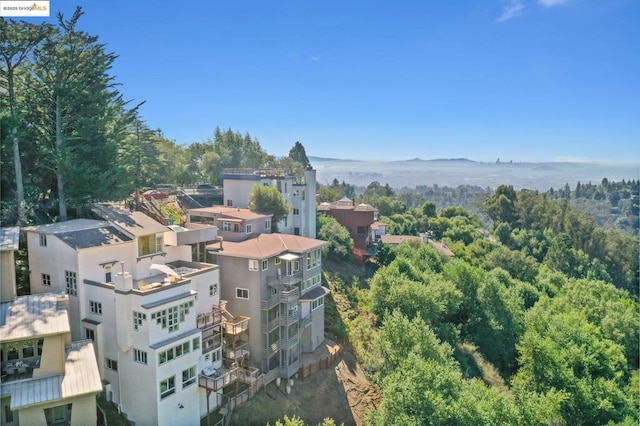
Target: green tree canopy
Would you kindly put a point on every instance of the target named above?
(268, 200)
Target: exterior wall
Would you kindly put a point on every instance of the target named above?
(317, 327)
(7, 276)
(351, 220)
(53, 356)
(83, 411)
(235, 273)
(237, 190)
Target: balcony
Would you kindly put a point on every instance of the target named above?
(286, 344)
(270, 326)
(291, 318)
(236, 325)
(286, 280)
(216, 379)
(290, 370)
(209, 319)
(287, 296)
(271, 350)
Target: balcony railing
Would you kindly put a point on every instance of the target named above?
(286, 344)
(291, 318)
(271, 350)
(270, 326)
(219, 379)
(283, 296)
(286, 280)
(209, 319)
(236, 325)
(290, 370)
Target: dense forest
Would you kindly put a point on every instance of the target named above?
(534, 321)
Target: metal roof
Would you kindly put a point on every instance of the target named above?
(34, 315)
(315, 293)
(81, 377)
(9, 238)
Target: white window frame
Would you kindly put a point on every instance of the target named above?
(43, 240)
(213, 289)
(296, 211)
(278, 260)
(265, 264)
(253, 264)
(95, 307)
(190, 376)
(240, 293)
(140, 356)
(46, 280)
(71, 282)
(170, 383)
(249, 228)
(227, 226)
(267, 224)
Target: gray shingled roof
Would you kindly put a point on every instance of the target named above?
(105, 235)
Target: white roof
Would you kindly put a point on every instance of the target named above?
(81, 377)
(34, 315)
(9, 238)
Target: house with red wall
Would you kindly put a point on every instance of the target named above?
(357, 218)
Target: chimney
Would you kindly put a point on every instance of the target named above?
(123, 280)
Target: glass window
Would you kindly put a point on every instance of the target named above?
(95, 307)
(253, 265)
(46, 280)
(188, 376)
(242, 293)
(43, 240)
(111, 364)
(249, 228)
(140, 356)
(71, 283)
(265, 264)
(167, 387)
(213, 289)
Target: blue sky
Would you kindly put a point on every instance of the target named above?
(521, 80)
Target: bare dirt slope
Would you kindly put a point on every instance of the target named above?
(341, 392)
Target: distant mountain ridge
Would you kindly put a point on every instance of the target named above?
(462, 171)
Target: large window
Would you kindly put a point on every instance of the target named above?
(317, 303)
(227, 226)
(71, 283)
(95, 307)
(188, 376)
(149, 244)
(46, 280)
(242, 293)
(167, 387)
(314, 257)
(172, 317)
(175, 352)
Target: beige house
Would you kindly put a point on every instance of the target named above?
(46, 378)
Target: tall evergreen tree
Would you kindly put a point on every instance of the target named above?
(77, 105)
(17, 41)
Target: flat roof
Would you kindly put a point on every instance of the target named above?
(81, 377)
(35, 315)
(136, 223)
(9, 238)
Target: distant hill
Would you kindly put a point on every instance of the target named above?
(461, 171)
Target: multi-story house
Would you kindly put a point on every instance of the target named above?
(357, 218)
(154, 314)
(300, 194)
(46, 378)
(233, 223)
(275, 279)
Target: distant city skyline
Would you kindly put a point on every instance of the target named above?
(519, 80)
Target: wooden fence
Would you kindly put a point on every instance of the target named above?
(324, 362)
